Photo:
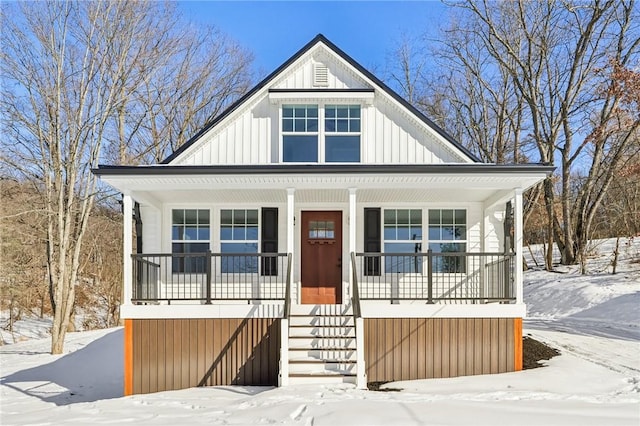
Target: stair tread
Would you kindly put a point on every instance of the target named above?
(322, 337)
(321, 361)
(334, 348)
(323, 374)
(320, 326)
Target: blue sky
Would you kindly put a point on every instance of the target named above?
(273, 31)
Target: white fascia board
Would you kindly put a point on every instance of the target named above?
(186, 311)
(423, 310)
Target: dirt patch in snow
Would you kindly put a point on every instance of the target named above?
(376, 386)
(534, 351)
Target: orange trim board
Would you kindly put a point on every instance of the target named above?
(517, 343)
(128, 357)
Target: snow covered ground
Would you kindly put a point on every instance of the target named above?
(593, 321)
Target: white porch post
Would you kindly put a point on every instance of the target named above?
(283, 379)
(127, 287)
(517, 231)
(291, 229)
(352, 234)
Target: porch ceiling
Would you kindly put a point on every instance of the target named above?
(317, 195)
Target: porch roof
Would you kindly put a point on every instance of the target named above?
(322, 183)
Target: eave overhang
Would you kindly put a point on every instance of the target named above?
(160, 178)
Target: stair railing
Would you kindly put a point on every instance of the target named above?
(358, 322)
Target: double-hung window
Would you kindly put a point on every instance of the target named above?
(239, 235)
(342, 133)
(190, 233)
(403, 234)
(300, 133)
(448, 234)
(336, 141)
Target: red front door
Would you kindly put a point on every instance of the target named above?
(321, 257)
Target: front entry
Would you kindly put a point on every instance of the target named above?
(321, 257)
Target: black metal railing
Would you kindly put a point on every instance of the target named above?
(207, 277)
(287, 290)
(355, 297)
(435, 277)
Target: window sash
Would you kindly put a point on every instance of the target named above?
(190, 233)
(448, 233)
(239, 233)
(402, 233)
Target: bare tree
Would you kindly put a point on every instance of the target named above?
(553, 52)
(70, 71)
(199, 72)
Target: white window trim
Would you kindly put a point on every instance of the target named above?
(321, 131)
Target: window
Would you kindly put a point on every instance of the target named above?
(342, 127)
(321, 229)
(304, 141)
(239, 235)
(448, 234)
(403, 234)
(190, 233)
(300, 133)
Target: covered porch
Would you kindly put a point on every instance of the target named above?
(481, 264)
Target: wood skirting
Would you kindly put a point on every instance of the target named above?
(422, 348)
(172, 354)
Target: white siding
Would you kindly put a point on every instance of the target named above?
(245, 139)
(391, 137)
(494, 229)
(151, 229)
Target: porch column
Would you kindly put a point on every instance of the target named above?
(517, 236)
(127, 287)
(291, 230)
(352, 223)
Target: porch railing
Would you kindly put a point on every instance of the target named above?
(436, 277)
(207, 277)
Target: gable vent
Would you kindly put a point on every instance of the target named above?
(320, 75)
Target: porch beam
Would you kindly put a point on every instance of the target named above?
(518, 231)
(147, 199)
(499, 197)
(127, 243)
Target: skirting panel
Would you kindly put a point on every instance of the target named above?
(423, 348)
(172, 354)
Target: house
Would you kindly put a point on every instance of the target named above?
(321, 229)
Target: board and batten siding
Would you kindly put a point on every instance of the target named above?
(388, 137)
(423, 348)
(173, 354)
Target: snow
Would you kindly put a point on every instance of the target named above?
(597, 304)
(593, 321)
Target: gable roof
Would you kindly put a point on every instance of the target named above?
(321, 39)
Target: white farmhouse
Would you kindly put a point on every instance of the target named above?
(321, 229)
